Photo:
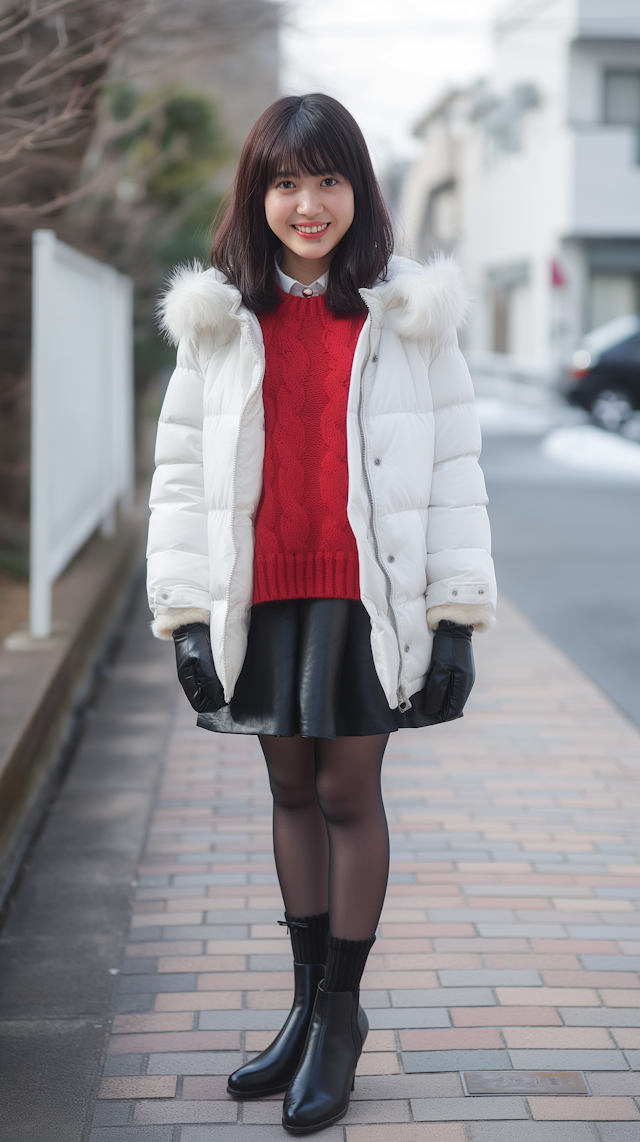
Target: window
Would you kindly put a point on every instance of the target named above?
(512, 306)
(612, 295)
(622, 98)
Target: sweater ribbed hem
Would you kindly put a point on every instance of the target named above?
(315, 575)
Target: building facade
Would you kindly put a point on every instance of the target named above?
(533, 178)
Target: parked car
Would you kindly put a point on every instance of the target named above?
(604, 374)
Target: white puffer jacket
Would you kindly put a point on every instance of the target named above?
(416, 492)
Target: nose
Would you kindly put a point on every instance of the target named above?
(309, 205)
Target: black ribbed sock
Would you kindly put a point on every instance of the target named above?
(309, 943)
(345, 964)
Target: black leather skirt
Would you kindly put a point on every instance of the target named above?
(309, 670)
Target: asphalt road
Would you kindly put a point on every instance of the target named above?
(567, 552)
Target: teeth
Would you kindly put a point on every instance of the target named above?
(311, 229)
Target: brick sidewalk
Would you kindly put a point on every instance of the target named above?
(510, 936)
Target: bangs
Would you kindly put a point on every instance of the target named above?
(303, 147)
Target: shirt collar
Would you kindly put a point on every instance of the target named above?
(290, 285)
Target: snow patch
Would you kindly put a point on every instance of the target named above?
(591, 449)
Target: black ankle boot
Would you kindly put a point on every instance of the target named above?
(272, 1070)
(319, 1091)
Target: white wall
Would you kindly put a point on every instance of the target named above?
(518, 204)
(573, 178)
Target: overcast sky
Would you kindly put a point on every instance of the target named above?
(387, 60)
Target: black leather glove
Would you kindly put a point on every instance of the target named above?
(452, 671)
(196, 671)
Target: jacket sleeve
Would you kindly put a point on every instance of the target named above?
(461, 583)
(177, 551)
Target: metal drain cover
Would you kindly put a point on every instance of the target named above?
(524, 1082)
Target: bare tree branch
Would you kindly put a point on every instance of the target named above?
(38, 16)
(50, 207)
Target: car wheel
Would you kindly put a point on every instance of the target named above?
(612, 408)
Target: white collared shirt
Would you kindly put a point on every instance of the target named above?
(290, 285)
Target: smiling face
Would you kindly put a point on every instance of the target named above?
(310, 214)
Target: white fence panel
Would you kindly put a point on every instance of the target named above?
(82, 409)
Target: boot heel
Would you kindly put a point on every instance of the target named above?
(353, 1083)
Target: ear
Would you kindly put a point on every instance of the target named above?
(434, 301)
(194, 300)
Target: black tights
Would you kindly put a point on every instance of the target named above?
(330, 835)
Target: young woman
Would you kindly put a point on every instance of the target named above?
(319, 546)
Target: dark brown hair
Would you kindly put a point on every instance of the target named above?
(315, 135)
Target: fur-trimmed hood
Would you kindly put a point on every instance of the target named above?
(431, 297)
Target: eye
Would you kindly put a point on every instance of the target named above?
(330, 181)
(285, 184)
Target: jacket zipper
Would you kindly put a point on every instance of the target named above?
(401, 693)
(252, 390)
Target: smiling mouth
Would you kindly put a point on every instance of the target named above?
(311, 231)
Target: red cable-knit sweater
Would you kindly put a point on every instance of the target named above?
(304, 546)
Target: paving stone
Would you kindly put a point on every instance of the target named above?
(139, 966)
(111, 1114)
(198, 1087)
(488, 977)
(532, 1132)
(622, 1082)
(440, 1085)
(194, 1063)
(130, 1004)
(154, 1021)
(182, 981)
(505, 1016)
(369, 998)
(179, 1111)
(611, 963)
(415, 1061)
(572, 1038)
(454, 1038)
(468, 1109)
(559, 1060)
(628, 1038)
(157, 1041)
(619, 1132)
(597, 1109)
(262, 1111)
(567, 996)
(138, 1086)
(423, 1132)
(244, 1134)
(378, 1063)
(443, 997)
(132, 1134)
(124, 1065)
(244, 1020)
(145, 935)
(604, 931)
(378, 1110)
(270, 963)
(528, 931)
(398, 1018)
(599, 1017)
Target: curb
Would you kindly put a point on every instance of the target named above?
(37, 758)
